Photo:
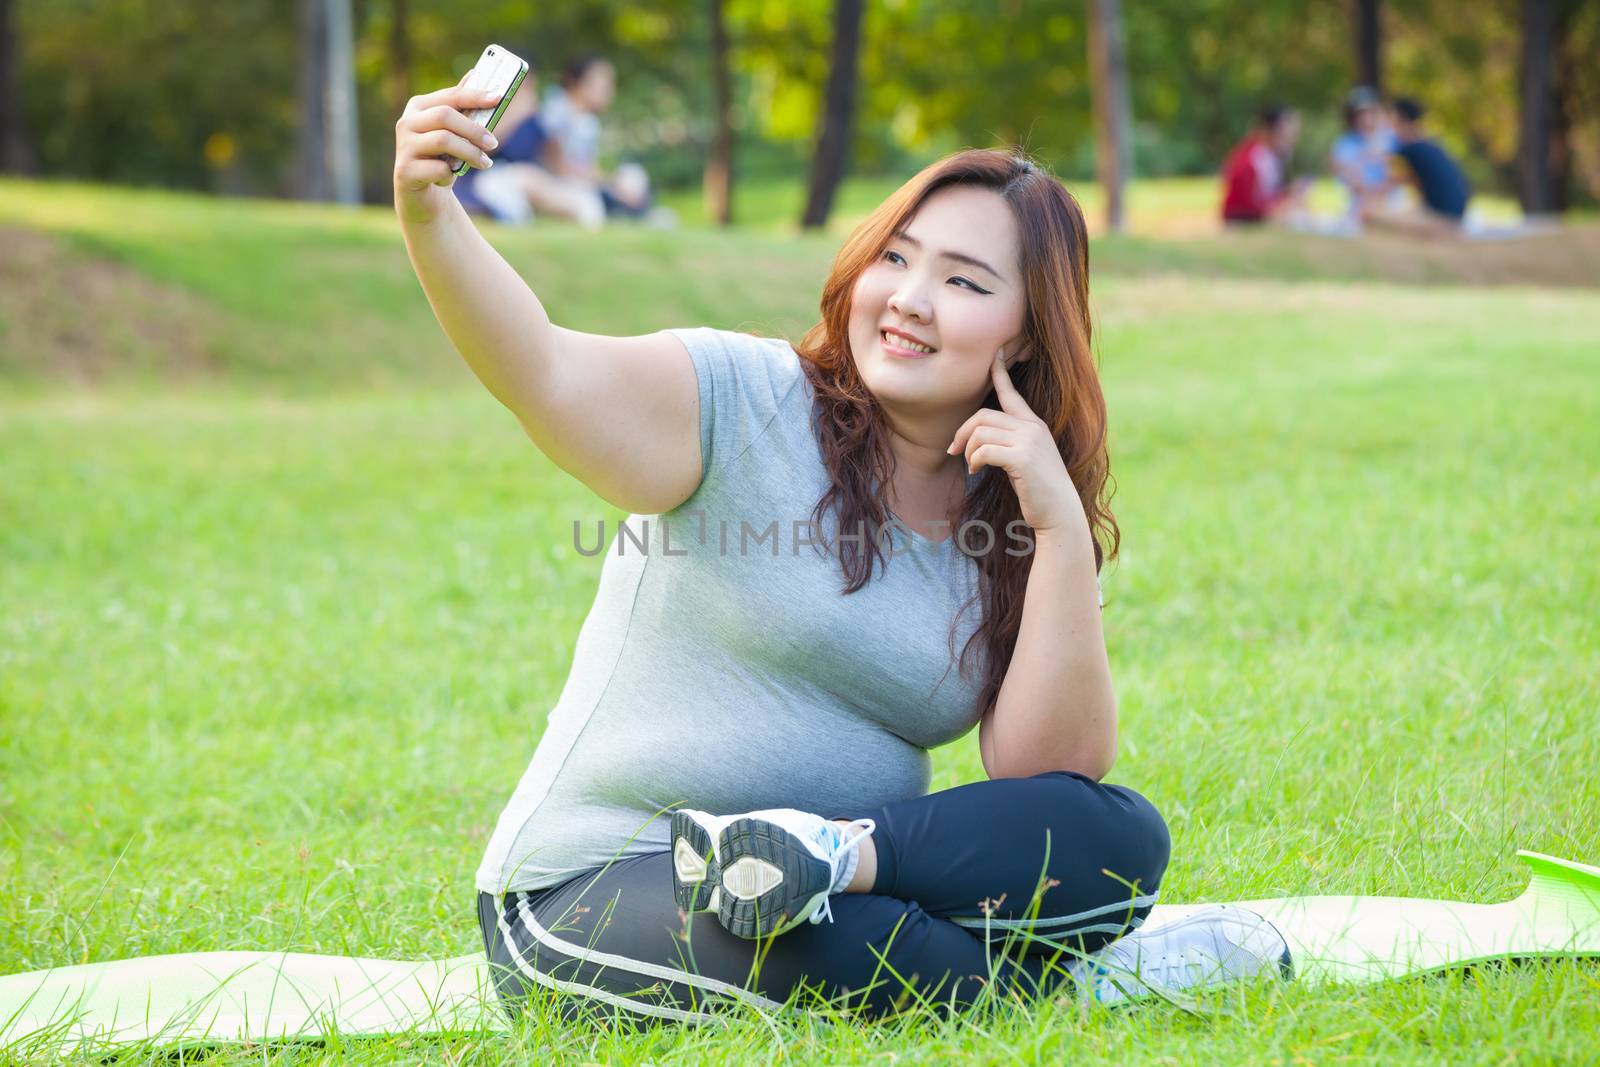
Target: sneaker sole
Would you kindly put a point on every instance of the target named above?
(695, 871)
(770, 880)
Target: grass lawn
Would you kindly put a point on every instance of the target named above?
(285, 598)
(1157, 207)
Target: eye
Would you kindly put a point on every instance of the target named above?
(957, 278)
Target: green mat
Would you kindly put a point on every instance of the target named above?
(255, 996)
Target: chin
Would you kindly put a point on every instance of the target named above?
(906, 393)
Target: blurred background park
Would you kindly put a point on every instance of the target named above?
(285, 597)
(297, 98)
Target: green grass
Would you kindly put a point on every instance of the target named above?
(1157, 207)
(275, 644)
(307, 297)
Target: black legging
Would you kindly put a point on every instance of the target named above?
(955, 903)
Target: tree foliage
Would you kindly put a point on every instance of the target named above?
(186, 93)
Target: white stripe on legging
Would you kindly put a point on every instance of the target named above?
(1059, 920)
(651, 970)
(1097, 928)
(593, 992)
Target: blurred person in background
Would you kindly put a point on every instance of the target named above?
(518, 187)
(1360, 157)
(571, 116)
(1441, 186)
(1255, 176)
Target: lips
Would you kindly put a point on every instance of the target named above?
(901, 344)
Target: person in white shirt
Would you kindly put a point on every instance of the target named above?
(571, 114)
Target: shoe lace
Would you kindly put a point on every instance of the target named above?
(842, 847)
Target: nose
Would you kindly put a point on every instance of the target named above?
(910, 301)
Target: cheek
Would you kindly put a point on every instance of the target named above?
(867, 302)
(871, 294)
(980, 325)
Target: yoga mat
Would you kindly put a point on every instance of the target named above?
(216, 997)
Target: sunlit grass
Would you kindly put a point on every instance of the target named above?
(1156, 207)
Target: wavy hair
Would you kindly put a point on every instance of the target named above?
(1060, 383)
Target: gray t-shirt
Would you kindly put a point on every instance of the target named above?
(722, 668)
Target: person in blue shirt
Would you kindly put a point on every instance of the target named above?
(1360, 157)
(519, 186)
(1438, 178)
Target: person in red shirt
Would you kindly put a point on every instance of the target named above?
(1255, 185)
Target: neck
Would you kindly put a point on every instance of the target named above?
(918, 445)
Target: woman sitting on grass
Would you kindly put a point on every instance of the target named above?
(773, 646)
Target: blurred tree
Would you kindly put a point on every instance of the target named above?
(1466, 63)
(1366, 26)
(1537, 86)
(1113, 137)
(197, 95)
(1577, 91)
(980, 73)
(16, 154)
(718, 184)
(205, 95)
(316, 181)
(344, 138)
(838, 115)
(1544, 156)
(399, 73)
(1206, 66)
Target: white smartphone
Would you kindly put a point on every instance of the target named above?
(497, 71)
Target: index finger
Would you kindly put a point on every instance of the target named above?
(1011, 401)
(456, 96)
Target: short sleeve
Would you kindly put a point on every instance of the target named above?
(743, 381)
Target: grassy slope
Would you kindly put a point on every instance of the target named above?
(274, 649)
(304, 297)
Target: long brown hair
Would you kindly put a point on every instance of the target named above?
(1059, 382)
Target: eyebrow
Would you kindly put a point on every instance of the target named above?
(959, 257)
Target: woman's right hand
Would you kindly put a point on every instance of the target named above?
(434, 126)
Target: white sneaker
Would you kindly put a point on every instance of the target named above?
(763, 872)
(1218, 944)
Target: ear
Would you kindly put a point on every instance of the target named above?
(1021, 355)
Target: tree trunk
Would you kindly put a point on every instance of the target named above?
(1366, 30)
(718, 185)
(838, 115)
(344, 138)
(1108, 68)
(16, 154)
(313, 172)
(1537, 88)
(1565, 107)
(399, 58)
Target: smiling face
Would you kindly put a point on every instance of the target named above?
(926, 288)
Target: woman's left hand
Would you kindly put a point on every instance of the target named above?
(1018, 441)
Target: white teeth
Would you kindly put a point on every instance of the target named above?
(901, 342)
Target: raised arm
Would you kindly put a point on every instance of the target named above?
(620, 414)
